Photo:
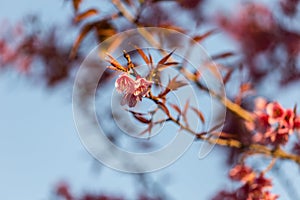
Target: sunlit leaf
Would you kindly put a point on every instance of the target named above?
(104, 29)
(85, 15)
(166, 65)
(173, 27)
(186, 107)
(115, 64)
(200, 38)
(199, 113)
(223, 55)
(184, 112)
(84, 31)
(165, 59)
(227, 76)
(147, 130)
(140, 117)
(76, 4)
(150, 59)
(176, 108)
(174, 84)
(143, 55)
(164, 108)
(245, 87)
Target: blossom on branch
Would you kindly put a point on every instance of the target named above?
(273, 124)
(254, 185)
(133, 90)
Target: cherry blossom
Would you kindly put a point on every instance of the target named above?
(255, 185)
(133, 90)
(241, 173)
(275, 112)
(273, 124)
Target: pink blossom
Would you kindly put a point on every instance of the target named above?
(129, 99)
(141, 87)
(269, 196)
(288, 121)
(134, 90)
(125, 84)
(241, 173)
(273, 124)
(255, 186)
(275, 111)
(260, 104)
(263, 122)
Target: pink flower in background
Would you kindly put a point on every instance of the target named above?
(287, 124)
(254, 186)
(241, 173)
(273, 123)
(260, 104)
(275, 112)
(134, 90)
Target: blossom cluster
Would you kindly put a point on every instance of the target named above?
(133, 90)
(273, 124)
(255, 185)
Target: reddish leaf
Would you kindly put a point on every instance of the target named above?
(84, 31)
(164, 108)
(215, 127)
(245, 87)
(148, 129)
(227, 76)
(115, 64)
(175, 84)
(165, 59)
(184, 112)
(140, 117)
(199, 113)
(76, 4)
(176, 108)
(164, 93)
(295, 109)
(199, 38)
(150, 59)
(166, 65)
(172, 85)
(104, 29)
(223, 55)
(143, 55)
(173, 27)
(85, 14)
(186, 106)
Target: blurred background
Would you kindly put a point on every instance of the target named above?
(41, 155)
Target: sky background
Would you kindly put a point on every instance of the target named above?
(39, 145)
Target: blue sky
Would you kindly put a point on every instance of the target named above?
(39, 146)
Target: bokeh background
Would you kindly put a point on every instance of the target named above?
(40, 150)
